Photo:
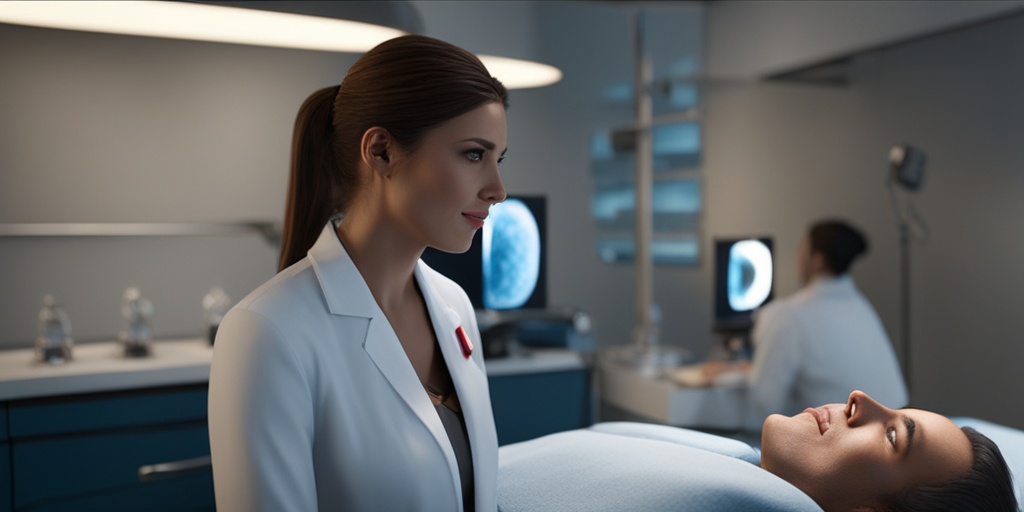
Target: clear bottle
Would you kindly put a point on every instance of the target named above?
(53, 346)
(136, 337)
(216, 304)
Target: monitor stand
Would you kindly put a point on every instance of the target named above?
(735, 342)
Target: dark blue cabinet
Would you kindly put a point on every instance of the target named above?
(84, 452)
(530, 405)
(6, 501)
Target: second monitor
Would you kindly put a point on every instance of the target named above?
(744, 278)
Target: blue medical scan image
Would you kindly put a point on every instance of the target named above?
(511, 255)
(750, 274)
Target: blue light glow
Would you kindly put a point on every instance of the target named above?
(511, 255)
(676, 139)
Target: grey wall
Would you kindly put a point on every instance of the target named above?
(958, 97)
(105, 128)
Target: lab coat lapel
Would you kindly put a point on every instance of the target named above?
(470, 383)
(386, 351)
(348, 295)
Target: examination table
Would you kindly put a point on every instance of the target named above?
(623, 466)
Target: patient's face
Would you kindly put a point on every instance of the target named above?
(848, 455)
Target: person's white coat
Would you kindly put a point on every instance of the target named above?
(817, 346)
(314, 404)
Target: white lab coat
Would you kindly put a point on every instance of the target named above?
(314, 404)
(817, 346)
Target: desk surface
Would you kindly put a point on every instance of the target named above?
(660, 399)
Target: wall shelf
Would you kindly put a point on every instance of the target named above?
(270, 232)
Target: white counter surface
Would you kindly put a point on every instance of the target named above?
(535, 361)
(101, 367)
(661, 399)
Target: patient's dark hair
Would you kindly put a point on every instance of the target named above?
(987, 486)
(838, 242)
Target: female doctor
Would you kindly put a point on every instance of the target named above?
(822, 342)
(350, 380)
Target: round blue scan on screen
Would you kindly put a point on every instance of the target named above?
(750, 274)
(511, 255)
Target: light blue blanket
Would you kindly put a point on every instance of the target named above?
(625, 466)
(638, 466)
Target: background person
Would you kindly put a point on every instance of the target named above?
(822, 342)
(353, 379)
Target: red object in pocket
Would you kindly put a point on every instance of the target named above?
(464, 343)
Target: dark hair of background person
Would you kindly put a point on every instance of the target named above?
(839, 243)
(406, 85)
(987, 486)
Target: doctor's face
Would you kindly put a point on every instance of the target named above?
(848, 455)
(444, 188)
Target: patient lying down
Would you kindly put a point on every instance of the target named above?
(857, 456)
(865, 456)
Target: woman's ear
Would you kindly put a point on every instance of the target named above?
(374, 150)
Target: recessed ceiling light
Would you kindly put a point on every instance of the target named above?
(217, 23)
(521, 74)
(202, 22)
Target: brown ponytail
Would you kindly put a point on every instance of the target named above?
(407, 85)
(312, 170)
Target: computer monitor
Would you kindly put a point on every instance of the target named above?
(505, 268)
(744, 278)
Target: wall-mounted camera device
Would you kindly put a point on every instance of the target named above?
(907, 164)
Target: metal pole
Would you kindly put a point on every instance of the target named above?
(644, 333)
(905, 300)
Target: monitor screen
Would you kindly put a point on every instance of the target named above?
(505, 268)
(744, 277)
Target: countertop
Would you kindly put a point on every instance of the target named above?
(101, 367)
(657, 397)
(540, 360)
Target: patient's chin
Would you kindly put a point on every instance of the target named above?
(771, 422)
(777, 436)
(783, 450)
(774, 445)
(783, 461)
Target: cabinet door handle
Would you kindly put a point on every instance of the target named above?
(163, 470)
